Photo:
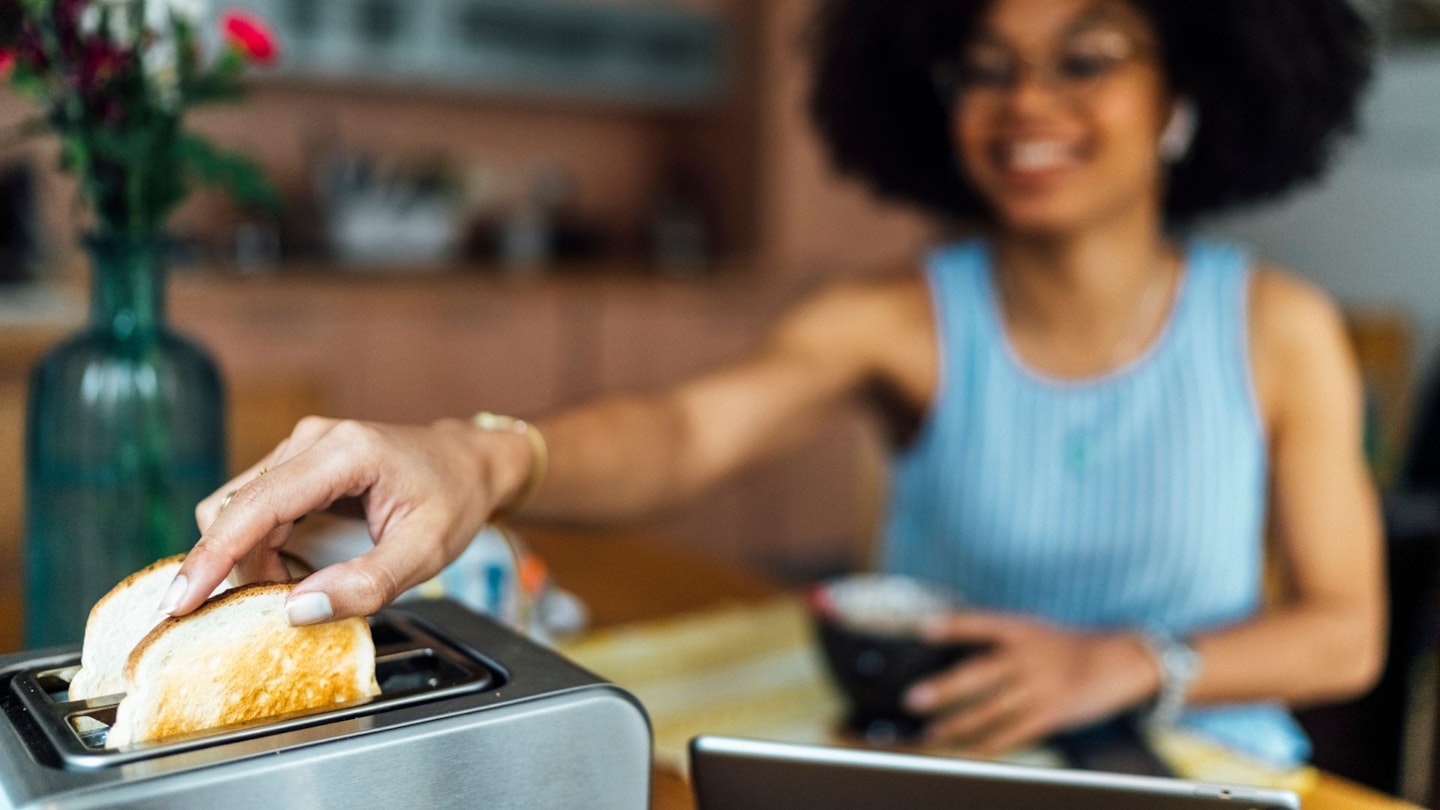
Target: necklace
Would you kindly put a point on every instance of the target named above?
(1139, 316)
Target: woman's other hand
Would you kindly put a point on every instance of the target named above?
(424, 491)
(1033, 681)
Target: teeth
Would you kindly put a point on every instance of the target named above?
(1038, 155)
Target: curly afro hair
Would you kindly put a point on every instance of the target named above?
(1277, 84)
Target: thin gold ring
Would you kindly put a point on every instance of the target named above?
(225, 501)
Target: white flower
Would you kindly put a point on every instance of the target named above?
(161, 15)
(157, 16)
(123, 20)
(190, 11)
(160, 60)
(90, 20)
(116, 17)
(122, 29)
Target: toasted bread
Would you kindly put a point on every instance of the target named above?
(235, 659)
(123, 616)
(116, 624)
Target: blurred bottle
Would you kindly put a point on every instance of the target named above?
(125, 433)
(498, 576)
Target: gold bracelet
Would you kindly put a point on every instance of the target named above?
(539, 456)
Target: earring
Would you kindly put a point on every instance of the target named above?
(1179, 131)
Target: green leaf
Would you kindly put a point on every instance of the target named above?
(28, 83)
(239, 175)
(221, 83)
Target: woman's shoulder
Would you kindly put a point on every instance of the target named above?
(882, 325)
(862, 305)
(1298, 341)
(1287, 311)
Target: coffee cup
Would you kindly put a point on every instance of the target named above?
(868, 627)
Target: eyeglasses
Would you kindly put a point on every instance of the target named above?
(988, 72)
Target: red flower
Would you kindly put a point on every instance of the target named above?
(250, 37)
(7, 64)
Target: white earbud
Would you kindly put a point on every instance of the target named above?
(1179, 131)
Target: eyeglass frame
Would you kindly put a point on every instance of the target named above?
(947, 74)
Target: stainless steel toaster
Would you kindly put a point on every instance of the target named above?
(470, 715)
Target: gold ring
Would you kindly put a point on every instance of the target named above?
(262, 472)
(224, 502)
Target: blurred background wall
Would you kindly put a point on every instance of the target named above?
(300, 326)
(1368, 233)
(679, 227)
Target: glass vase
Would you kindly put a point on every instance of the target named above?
(125, 433)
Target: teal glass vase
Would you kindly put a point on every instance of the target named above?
(125, 433)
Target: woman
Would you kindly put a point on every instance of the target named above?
(1109, 421)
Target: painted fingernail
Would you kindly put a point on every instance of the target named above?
(309, 608)
(174, 594)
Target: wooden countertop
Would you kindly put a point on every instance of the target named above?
(629, 578)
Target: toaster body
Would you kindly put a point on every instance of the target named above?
(470, 715)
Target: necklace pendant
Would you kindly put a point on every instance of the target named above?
(1077, 452)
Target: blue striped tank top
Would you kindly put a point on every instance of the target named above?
(1135, 499)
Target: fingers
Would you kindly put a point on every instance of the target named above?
(968, 682)
(1023, 729)
(304, 483)
(970, 722)
(417, 486)
(207, 510)
(971, 626)
(1010, 714)
(307, 431)
(263, 563)
(361, 586)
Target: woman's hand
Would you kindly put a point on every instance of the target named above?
(424, 491)
(1034, 680)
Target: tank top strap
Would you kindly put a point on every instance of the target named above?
(1219, 314)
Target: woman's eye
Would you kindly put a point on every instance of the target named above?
(1086, 65)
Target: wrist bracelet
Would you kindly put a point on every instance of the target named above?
(539, 457)
(1179, 665)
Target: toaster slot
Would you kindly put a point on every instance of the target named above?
(414, 663)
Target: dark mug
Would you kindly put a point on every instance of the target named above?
(868, 629)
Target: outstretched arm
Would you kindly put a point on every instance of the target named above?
(425, 491)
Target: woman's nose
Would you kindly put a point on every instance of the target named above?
(1034, 89)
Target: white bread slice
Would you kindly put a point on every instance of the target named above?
(236, 658)
(116, 624)
(123, 616)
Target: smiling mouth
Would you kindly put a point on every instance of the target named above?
(1035, 156)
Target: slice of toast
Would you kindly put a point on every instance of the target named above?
(116, 624)
(123, 616)
(236, 658)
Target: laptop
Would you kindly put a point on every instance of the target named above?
(737, 774)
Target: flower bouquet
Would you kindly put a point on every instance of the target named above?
(125, 420)
(113, 79)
